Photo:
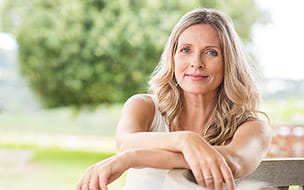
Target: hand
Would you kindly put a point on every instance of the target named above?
(99, 175)
(208, 166)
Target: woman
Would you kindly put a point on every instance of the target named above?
(201, 113)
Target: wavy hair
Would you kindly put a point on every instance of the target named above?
(238, 98)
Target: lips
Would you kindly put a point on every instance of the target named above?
(196, 77)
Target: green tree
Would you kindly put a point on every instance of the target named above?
(88, 52)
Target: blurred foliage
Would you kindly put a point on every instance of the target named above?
(285, 111)
(87, 52)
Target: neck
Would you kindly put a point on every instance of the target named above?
(197, 111)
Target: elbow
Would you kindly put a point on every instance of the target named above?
(243, 168)
(236, 167)
(240, 171)
(240, 167)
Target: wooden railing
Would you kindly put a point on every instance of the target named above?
(271, 174)
(280, 173)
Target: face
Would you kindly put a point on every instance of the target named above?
(199, 67)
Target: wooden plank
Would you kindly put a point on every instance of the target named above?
(280, 172)
(283, 188)
(182, 179)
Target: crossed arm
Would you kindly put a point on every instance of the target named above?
(185, 149)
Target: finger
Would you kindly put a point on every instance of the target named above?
(81, 181)
(103, 186)
(208, 179)
(102, 183)
(78, 187)
(85, 186)
(228, 177)
(85, 179)
(81, 185)
(94, 183)
(85, 182)
(217, 179)
(199, 177)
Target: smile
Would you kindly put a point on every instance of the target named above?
(196, 77)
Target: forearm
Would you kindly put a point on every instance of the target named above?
(156, 158)
(151, 140)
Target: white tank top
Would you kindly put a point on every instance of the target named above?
(149, 178)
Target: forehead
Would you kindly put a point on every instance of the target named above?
(199, 34)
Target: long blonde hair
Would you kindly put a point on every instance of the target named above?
(237, 95)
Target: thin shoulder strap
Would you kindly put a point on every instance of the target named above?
(158, 123)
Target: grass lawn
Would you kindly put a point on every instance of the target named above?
(47, 168)
(51, 149)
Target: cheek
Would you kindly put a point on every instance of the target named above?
(217, 67)
(220, 73)
(217, 70)
(178, 72)
(178, 66)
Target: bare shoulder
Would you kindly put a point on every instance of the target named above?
(142, 102)
(137, 114)
(141, 99)
(256, 127)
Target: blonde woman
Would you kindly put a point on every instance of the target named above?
(201, 113)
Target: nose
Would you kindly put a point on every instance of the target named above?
(197, 62)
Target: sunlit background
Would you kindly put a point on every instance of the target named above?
(50, 148)
(279, 43)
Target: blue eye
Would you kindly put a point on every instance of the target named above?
(185, 50)
(214, 53)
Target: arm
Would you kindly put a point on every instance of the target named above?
(137, 116)
(222, 162)
(132, 133)
(99, 175)
(249, 145)
(204, 160)
(239, 154)
(237, 159)
(151, 157)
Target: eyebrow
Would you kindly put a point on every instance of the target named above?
(208, 46)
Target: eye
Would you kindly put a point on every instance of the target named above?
(185, 50)
(211, 52)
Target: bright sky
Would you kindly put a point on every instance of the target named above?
(7, 41)
(279, 45)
